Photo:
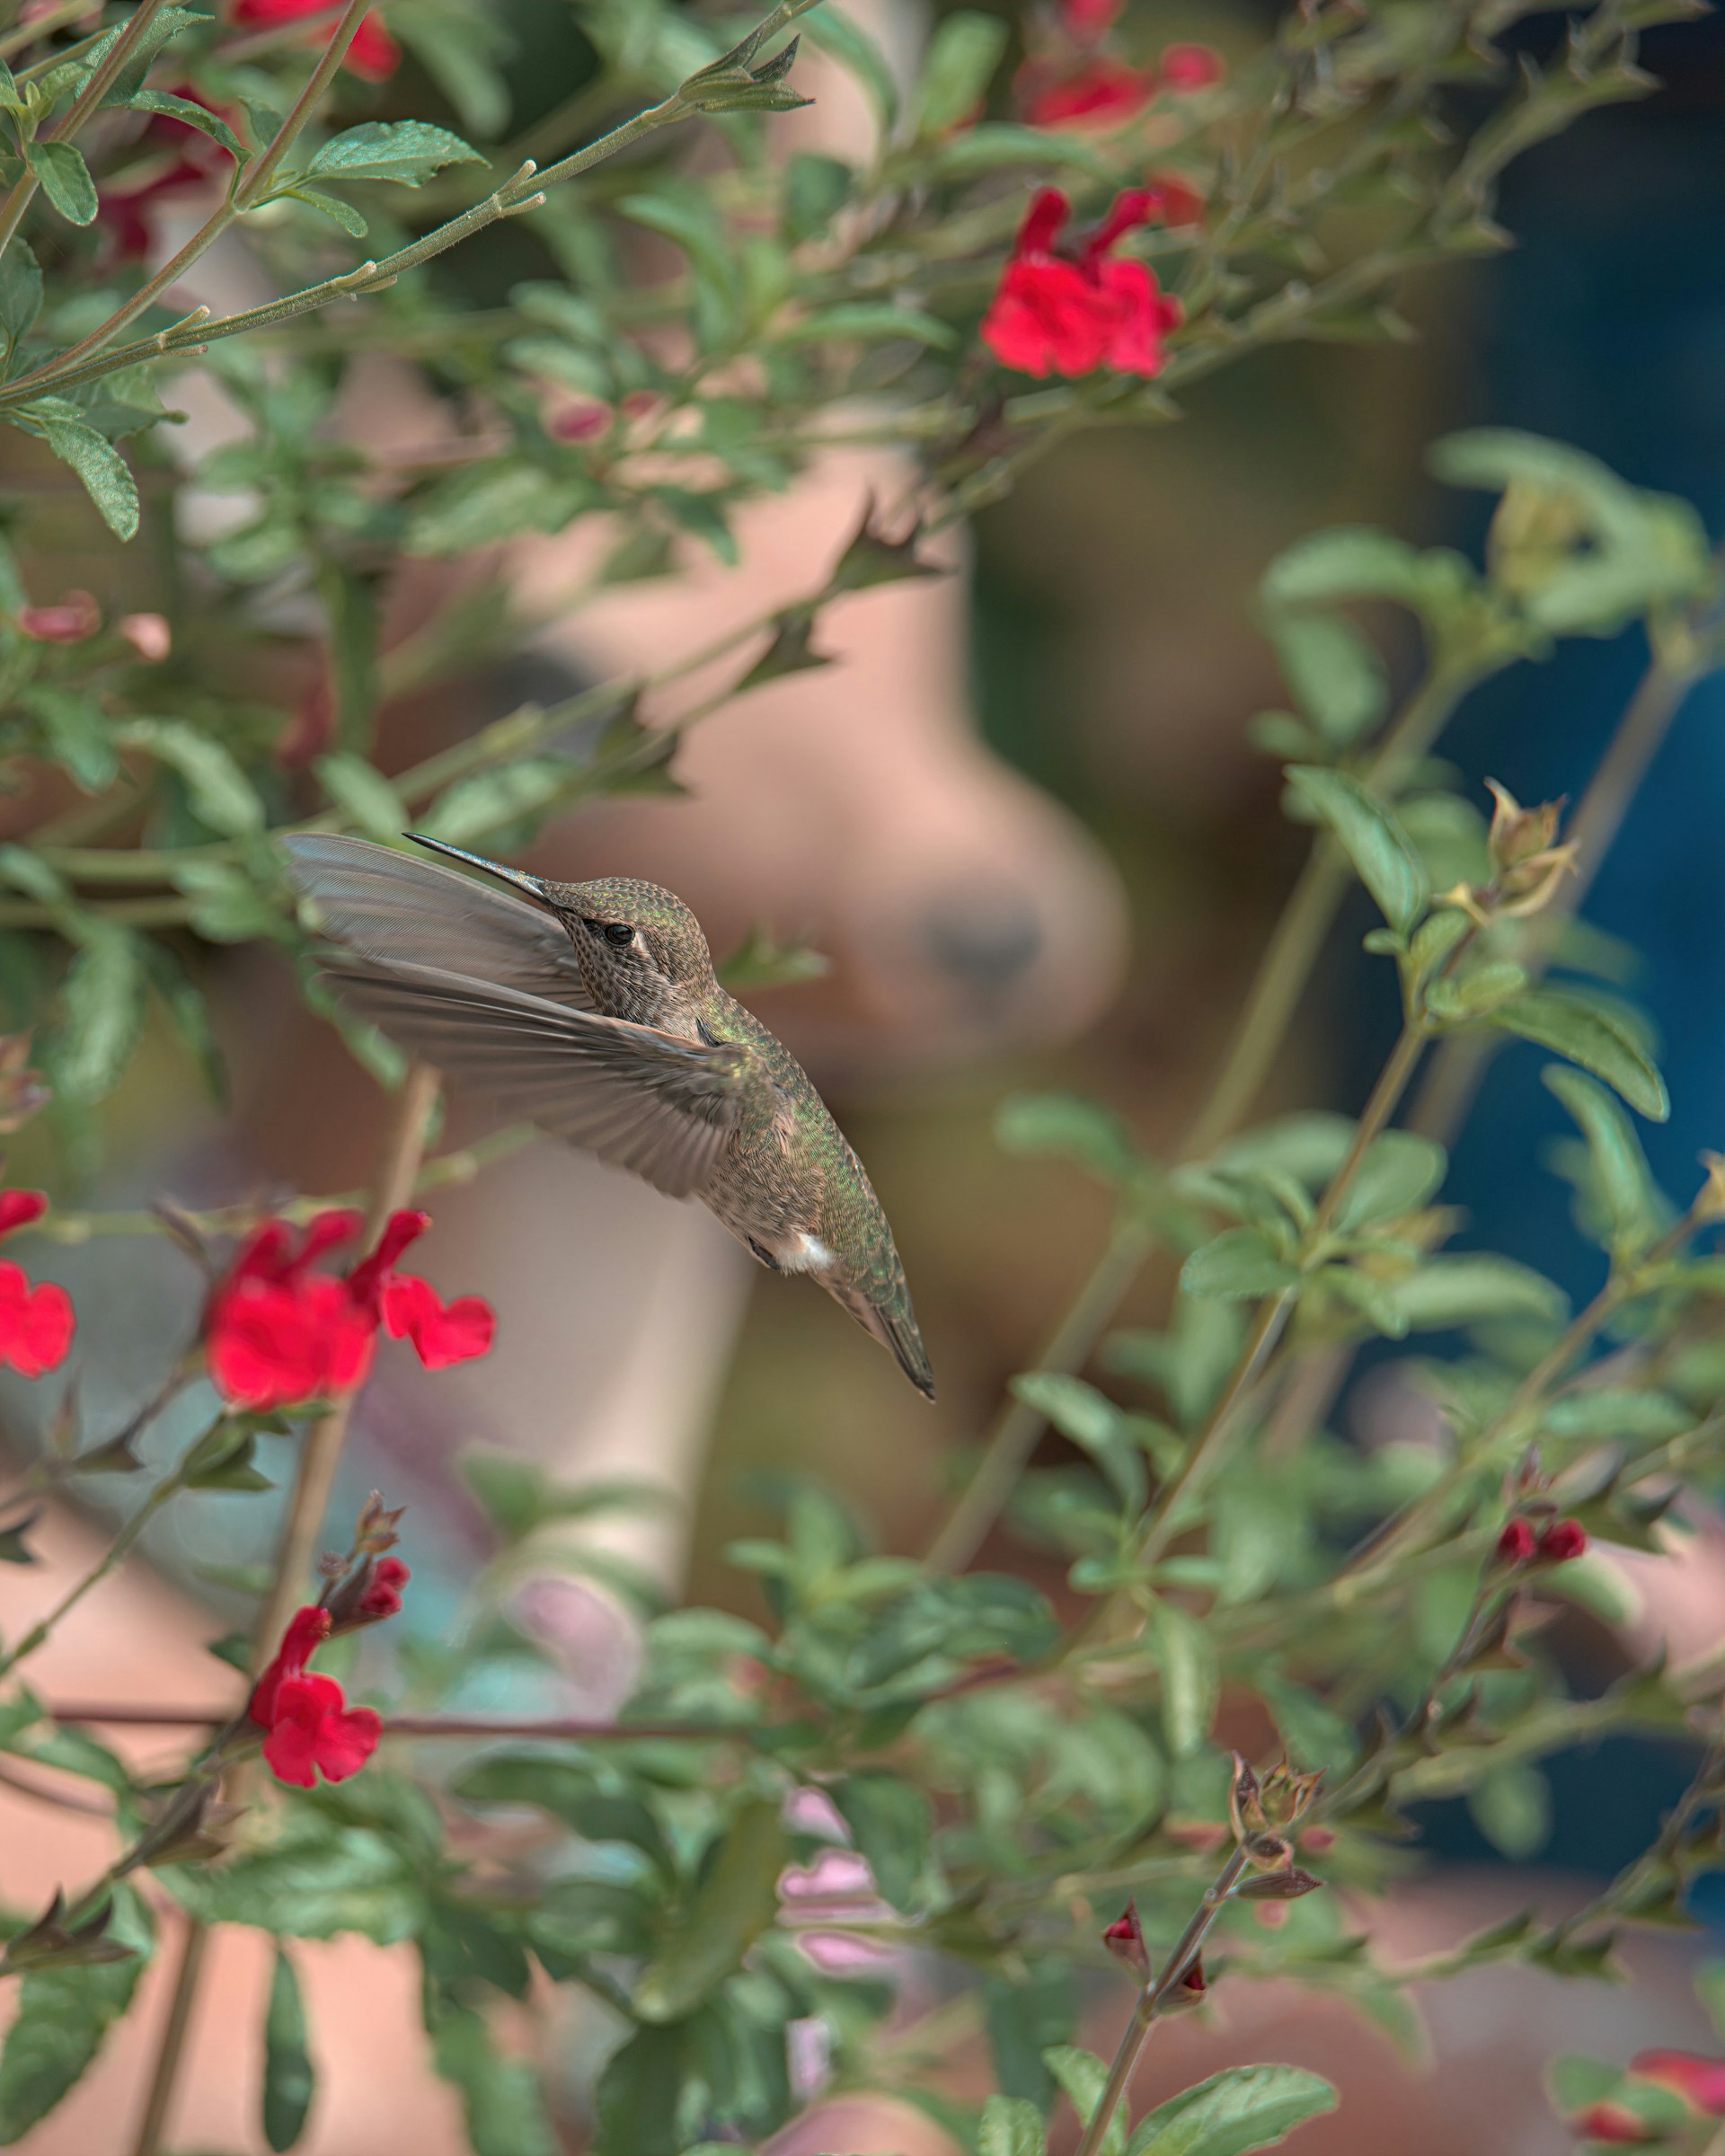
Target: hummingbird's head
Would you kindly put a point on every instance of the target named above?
(640, 948)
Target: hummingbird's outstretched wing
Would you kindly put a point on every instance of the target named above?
(402, 909)
(645, 1100)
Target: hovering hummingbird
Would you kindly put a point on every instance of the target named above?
(591, 1010)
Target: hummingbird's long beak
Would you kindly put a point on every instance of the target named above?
(532, 886)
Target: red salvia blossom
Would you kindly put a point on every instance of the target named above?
(1191, 67)
(374, 55)
(1700, 2082)
(1085, 20)
(312, 1730)
(383, 1593)
(1071, 312)
(1100, 93)
(36, 1322)
(278, 1333)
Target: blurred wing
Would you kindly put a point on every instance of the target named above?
(643, 1100)
(395, 909)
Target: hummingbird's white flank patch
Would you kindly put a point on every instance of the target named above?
(808, 1254)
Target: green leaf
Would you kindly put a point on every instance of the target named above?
(845, 41)
(107, 478)
(1080, 1412)
(1512, 1808)
(1400, 1173)
(736, 1901)
(330, 206)
(313, 1879)
(289, 2080)
(1593, 1037)
(501, 2097)
(1621, 1177)
(462, 50)
(1082, 2077)
(406, 151)
(1242, 2108)
(102, 1011)
(76, 732)
(1374, 840)
(892, 1824)
(362, 795)
(65, 179)
(816, 188)
(1067, 1127)
(868, 320)
(1460, 1289)
(64, 2016)
(220, 793)
(958, 68)
(1011, 2126)
(1237, 1267)
(1335, 675)
(1353, 562)
(21, 292)
(1190, 1678)
(194, 115)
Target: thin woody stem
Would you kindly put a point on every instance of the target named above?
(1152, 2000)
(404, 1150)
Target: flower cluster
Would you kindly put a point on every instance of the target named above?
(1073, 79)
(36, 1322)
(1069, 311)
(278, 1333)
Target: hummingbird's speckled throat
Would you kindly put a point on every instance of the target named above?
(591, 1009)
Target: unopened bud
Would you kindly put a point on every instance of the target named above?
(1124, 1940)
(1277, 1886)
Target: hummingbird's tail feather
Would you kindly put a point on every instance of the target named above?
(398, 910)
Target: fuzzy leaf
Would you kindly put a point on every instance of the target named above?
(1596, 1040)
(1374, 840)
(406, 151)
(1242, 2108)
(289, 2080)
(65, 179)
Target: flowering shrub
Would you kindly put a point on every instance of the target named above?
(911, 1753)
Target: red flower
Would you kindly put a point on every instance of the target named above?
(1562, 1541)
(382, 1595)
(1100, 93)
(36, 1323)
(1191, 67)
(374, 55)
(1701, 2082)
(1516, 1544)
(278, 1334)
(311, 1725)
(76, 617)
(1070, 313)
(1606, 2121)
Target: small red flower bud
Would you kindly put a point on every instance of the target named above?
(1516, 1544)
(1701, 2082)
(1124, 1940)
(1606, 2121)
(76, 617)
(581, 422)
(148, 634)
(383, 1594)
(1562, 1541)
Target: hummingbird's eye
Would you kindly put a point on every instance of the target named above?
(619, 932)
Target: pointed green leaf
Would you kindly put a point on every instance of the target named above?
(1374, 840)
(892, 1824)
(102, 1009)
(1242, 2108)
(1012, 2125)
(1084, 2077)
(1400, 1173)
(1593, 1037)
(1091, 1419)
(406, 151)
(289, 2080)
(736, 1901)
(194, 115)
(1190, 1678)
(65, 179)
(107, 479)
(500, 2098)
(21, 292)
(63, 2017)
(958, 68)
(220, 793)
(1237, 1267)
(1621, 1174)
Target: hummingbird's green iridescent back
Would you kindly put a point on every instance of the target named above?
(592, 1010)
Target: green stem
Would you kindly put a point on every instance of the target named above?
(1153, 2000)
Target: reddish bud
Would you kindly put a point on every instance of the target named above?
(76, 617)
(148, 634)
(1284, 1886)
(19, 1208)
(580, 422)
(382, 1592)
(1562, 1541)
(1700, 2082)
(1191, 1989)
(1516, 1544)
(1124, 1940)
(1606, 2121)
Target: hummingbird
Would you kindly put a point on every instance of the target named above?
(592, 1010)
